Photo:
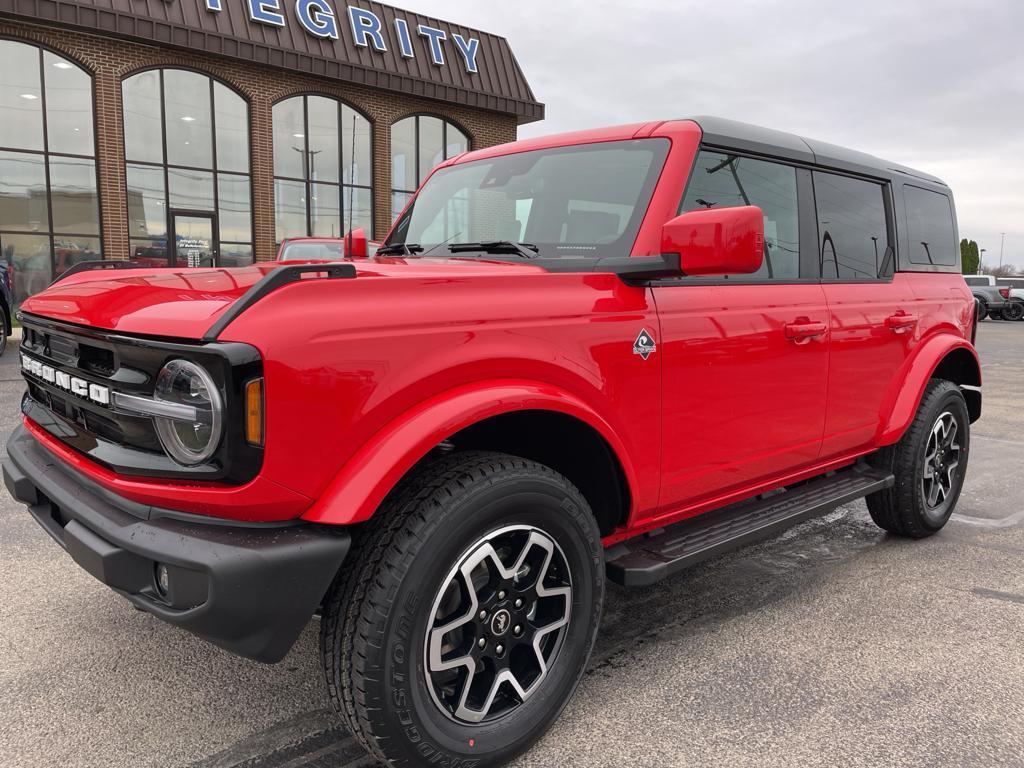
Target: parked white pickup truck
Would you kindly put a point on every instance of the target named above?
(1012, 289)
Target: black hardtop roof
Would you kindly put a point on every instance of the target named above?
(766, 141)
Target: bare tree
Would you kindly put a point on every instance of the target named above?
(1007, 270)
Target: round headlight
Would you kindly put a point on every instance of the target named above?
(189, 440)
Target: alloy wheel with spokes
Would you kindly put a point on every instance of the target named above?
(928, 465)
(941, 460)
(462, 626)
(497, 624)
(1013, 311)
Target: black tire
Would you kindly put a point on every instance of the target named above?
(982, 310)
(379, 612)
(906, 509)
(1013, 311)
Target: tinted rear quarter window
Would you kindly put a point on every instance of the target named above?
(852, 232)
(930, 227)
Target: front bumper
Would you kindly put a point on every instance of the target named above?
(248, 588)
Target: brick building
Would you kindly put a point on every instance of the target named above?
(198, 131)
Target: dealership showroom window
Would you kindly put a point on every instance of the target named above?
(201, 168)
(49, 216)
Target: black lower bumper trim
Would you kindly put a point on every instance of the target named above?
(250, 590)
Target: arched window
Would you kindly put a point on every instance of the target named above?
(322, 168)
(186, 146)
(419, 143)
(49, 210)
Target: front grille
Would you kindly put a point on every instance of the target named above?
(96, 360)
(127, 442)
(90, 359)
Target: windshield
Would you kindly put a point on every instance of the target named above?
(580, 201)
(312, 252)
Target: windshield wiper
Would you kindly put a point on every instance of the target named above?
(526, 250)
(400, 249)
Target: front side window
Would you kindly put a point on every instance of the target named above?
(418, 144)
(721, 180)
(852, 231)
(322, 168)
(49, 207)
(930, 227)
(579, 201)
(186, 144)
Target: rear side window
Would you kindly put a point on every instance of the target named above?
(852, 232)
(976, 280)
(930, 227)
(722, 180)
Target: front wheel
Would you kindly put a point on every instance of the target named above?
(929, 464)
(465, 621)
(1013, 311)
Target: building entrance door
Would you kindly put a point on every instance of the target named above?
(194, 236)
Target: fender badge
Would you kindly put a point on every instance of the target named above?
(644, 345)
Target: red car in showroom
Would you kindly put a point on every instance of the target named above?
(354, 245)
(600, 355)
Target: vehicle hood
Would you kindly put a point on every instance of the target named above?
(185, 303)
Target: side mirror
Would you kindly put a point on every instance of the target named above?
(357, 244)
(716, 241)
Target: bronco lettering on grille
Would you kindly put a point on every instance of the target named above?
(97, 393)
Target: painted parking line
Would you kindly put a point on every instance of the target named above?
(986, 522)
(995, 594)
(975, 436)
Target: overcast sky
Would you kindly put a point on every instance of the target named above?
(932, 84)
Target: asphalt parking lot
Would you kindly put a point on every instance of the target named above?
(832, 645)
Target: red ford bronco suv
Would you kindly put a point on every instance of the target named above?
(601, 355)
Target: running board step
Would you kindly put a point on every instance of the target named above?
(666, 551)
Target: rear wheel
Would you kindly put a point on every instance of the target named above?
(929, 464)
(464, 622)
(1013, 311)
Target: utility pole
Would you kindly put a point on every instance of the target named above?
(981, 258)
(1002, 239)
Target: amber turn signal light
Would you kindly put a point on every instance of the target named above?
(254, 412)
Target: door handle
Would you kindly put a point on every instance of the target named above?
(901, 323)
(803, 330)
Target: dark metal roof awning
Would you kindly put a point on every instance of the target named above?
(367, 43)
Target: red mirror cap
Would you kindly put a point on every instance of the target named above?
(717, 241)
(357, 244)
